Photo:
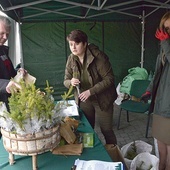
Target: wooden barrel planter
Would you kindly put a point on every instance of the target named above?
(30, 144)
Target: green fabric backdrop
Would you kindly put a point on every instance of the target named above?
(45, 49)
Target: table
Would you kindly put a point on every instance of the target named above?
(49, 161)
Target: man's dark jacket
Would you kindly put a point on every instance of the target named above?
(7, 71)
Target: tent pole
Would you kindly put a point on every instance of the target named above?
(20, 51)
(143, 34)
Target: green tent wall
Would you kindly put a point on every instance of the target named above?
(114, 25)
(45, 49)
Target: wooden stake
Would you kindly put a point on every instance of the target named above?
(11, 158)
(34, 162)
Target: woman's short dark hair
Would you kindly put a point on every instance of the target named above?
(77, 36)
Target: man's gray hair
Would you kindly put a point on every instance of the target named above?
(5, 20)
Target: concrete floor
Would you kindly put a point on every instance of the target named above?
(129, 131)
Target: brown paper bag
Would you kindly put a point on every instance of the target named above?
(71, 149)
(115, 154)
(135, 99)
(72, 122)
(67, 133)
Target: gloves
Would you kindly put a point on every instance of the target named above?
(145, 97)
(161, 35)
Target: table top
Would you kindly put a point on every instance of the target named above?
(49, 161)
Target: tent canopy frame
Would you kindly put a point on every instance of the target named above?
(59, 10)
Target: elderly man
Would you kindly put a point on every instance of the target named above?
(7, 70)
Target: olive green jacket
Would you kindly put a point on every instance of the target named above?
(160, 86)
(100, 75)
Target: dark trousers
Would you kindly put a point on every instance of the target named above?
(91, 110)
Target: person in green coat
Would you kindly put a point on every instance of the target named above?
(159, 91)
(88, 69)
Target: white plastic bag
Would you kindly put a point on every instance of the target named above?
(145, 161)
(141, 147)
(156, 147)
(120, 96)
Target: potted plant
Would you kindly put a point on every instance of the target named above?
(32, 124)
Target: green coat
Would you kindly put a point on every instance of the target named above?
(160, 86)
(100, 75)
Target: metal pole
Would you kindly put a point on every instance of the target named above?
(143, 36)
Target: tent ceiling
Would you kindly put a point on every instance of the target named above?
(76, 10)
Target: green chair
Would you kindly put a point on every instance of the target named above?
(138, 87)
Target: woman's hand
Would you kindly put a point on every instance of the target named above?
(84, 95)
(12, 86)
(75, 82)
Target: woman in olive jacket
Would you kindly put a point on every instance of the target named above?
(89, 70)
(159, 89)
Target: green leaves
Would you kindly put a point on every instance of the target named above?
(30, 102)
(69, 94)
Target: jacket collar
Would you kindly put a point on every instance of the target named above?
(89, 55)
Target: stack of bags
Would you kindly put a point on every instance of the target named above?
(137, 155)
(70, 143)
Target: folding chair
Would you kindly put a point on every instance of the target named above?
(138, 87)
